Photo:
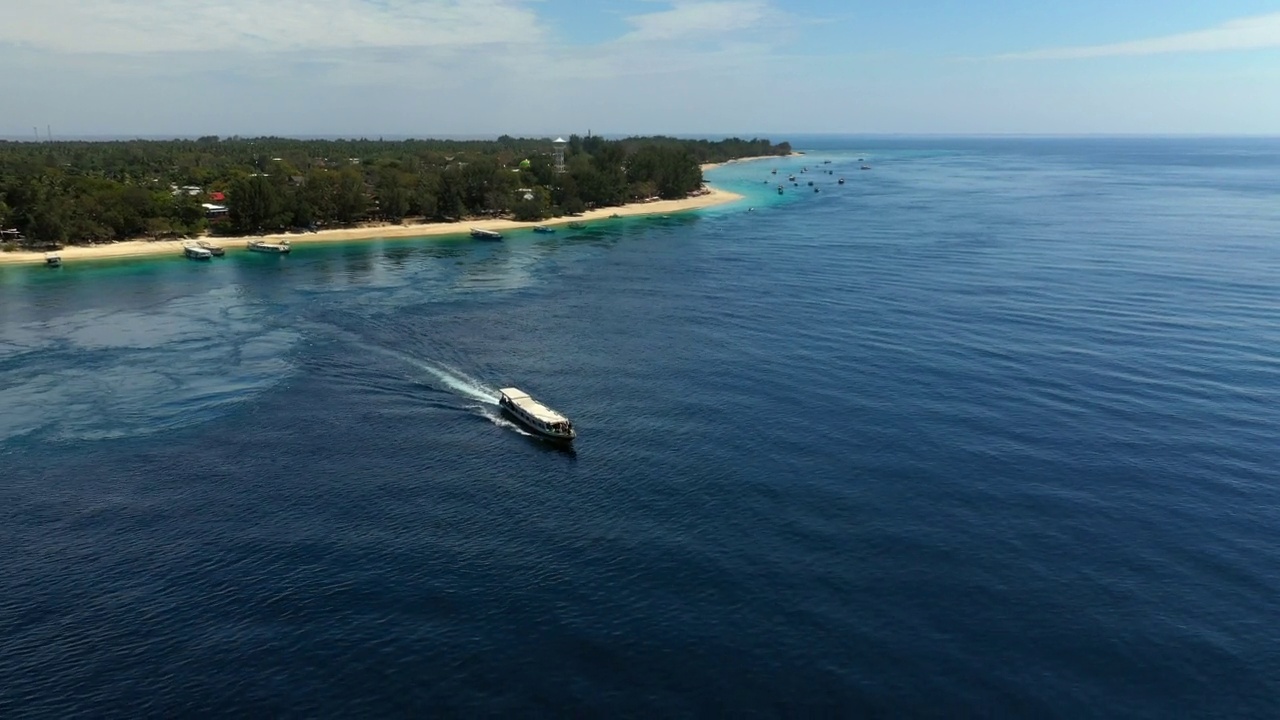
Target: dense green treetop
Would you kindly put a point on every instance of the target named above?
(80, 192)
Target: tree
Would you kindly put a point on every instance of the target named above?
(532, 206)
(349, 201)
(255, 205)
(393, 194)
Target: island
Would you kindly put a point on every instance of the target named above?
(140, 197)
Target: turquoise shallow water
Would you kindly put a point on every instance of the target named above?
(988, 430)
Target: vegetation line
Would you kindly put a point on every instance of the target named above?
(81, 193)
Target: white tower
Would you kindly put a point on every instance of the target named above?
(558, 153)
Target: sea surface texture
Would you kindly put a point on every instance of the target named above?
(989, 430)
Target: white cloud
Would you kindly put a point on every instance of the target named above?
(696, 20)
(156, 26)
(1252, 33)
(394, 66)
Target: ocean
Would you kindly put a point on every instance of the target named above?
(989, 430)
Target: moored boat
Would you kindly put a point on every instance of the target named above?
(840, 181)
(262, 246)
(196, 253)
(480, 234)
(53, 259)
(214, 250)
(577, 226)
(543, 229)
(534, 415)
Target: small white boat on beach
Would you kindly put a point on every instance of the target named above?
(262, 246)
(194, 252)
(534, 415)
(480, 234)
(214, 250)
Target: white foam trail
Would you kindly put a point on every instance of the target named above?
(459, 382)
(450, 378)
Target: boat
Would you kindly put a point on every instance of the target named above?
(543, 229)
(774, 171)
(615, 215)
(262, 246)
(577, 226)
(866, 167)
(840, 181)
(534, 415)
(480, 234)
(214, 250)
(791, 178)
(779, 189)
(196, 253)
(53, 259)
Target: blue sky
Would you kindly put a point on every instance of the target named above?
(432, 67)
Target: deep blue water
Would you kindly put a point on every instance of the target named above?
(990, 430)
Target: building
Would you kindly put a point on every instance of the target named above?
(214, 212)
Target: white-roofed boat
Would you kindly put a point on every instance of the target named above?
(481, 234)
(280, 248)
(214, 250)
(53, 259)
(196, 253)
(536, 416)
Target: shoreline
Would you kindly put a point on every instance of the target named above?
(149, 248)
(756, 158)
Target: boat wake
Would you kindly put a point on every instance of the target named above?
(443, 376)
(458, 382)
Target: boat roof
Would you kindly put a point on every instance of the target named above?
(531, 406)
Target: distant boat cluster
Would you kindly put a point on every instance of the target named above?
(782, 187)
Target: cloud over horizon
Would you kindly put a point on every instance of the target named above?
(680, 66)
(1251, 33)
(132, 27)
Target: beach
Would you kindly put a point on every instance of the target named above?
(735, 161)
(141, 248)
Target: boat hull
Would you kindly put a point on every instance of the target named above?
(509, 412)
(270, 249)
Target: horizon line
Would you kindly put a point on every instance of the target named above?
(772, 136)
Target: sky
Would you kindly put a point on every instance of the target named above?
(690, 67)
